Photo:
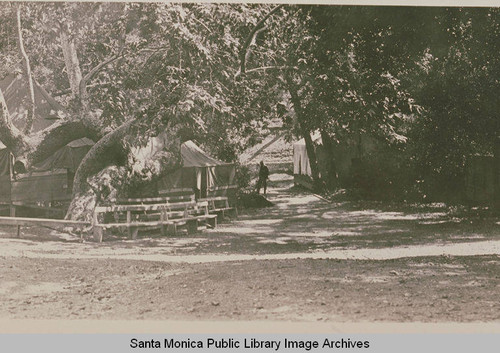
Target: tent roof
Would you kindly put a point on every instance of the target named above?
(15, 91)
(4, 160)
(194, 156)
(84, 141)
(67, 157)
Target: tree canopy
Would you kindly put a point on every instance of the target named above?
(423, 81)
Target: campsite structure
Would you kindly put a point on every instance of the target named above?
(31, 189)
(347, 155)
(203, 185)
(197, 193)
(6, 161)
(15, 92)
(51, 180)
(200, 173)
(47, 182)
(301, 166)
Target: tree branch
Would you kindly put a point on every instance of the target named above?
(265, 68)
(27, 71)
(251, 37)
(14, 139)
(82, 87)
(201, 23)
(68, 90)
(97, 69)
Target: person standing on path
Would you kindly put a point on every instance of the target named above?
(263, 176)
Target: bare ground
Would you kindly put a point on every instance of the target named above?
(433, 289)
(52, 276)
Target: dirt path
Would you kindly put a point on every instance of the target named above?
(303, 259)
(298, 226)
(24, 249)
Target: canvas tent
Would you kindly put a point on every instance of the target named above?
(301, 165)
(15, 91)
(67, 157)
(52, 179)
(203, 174)
(349, 156)
(5, 171)
(5, 160)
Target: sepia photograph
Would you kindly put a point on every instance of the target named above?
(322, 166)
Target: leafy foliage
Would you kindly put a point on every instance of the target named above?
(422, 81)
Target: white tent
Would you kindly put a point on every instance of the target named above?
(301, 165)
(200, 172)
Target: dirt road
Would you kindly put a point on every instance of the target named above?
(303, 259)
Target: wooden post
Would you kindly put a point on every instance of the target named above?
(163, 219)
(212, 222)
(12, 210)
(134, 230)
(129, 220)
(192, 226)
(19, 231)
(97, 233)
(97, 230)
(172, 228)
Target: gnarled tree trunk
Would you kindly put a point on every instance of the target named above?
(107, 151)
(59, 135)
(37, 147)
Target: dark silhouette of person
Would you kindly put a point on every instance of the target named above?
(263, 176)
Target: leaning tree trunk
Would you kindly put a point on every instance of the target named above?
(306, 134)
(71, 61)
(14, 139)
(60, 134)
(37, 147)
(107, 151)
(27, 73)
(313, 162)
(331, 168)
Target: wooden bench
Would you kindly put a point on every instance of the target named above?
(219, 205)
(156, 200)
(166, 216)
(176, 192)
(43, 222)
